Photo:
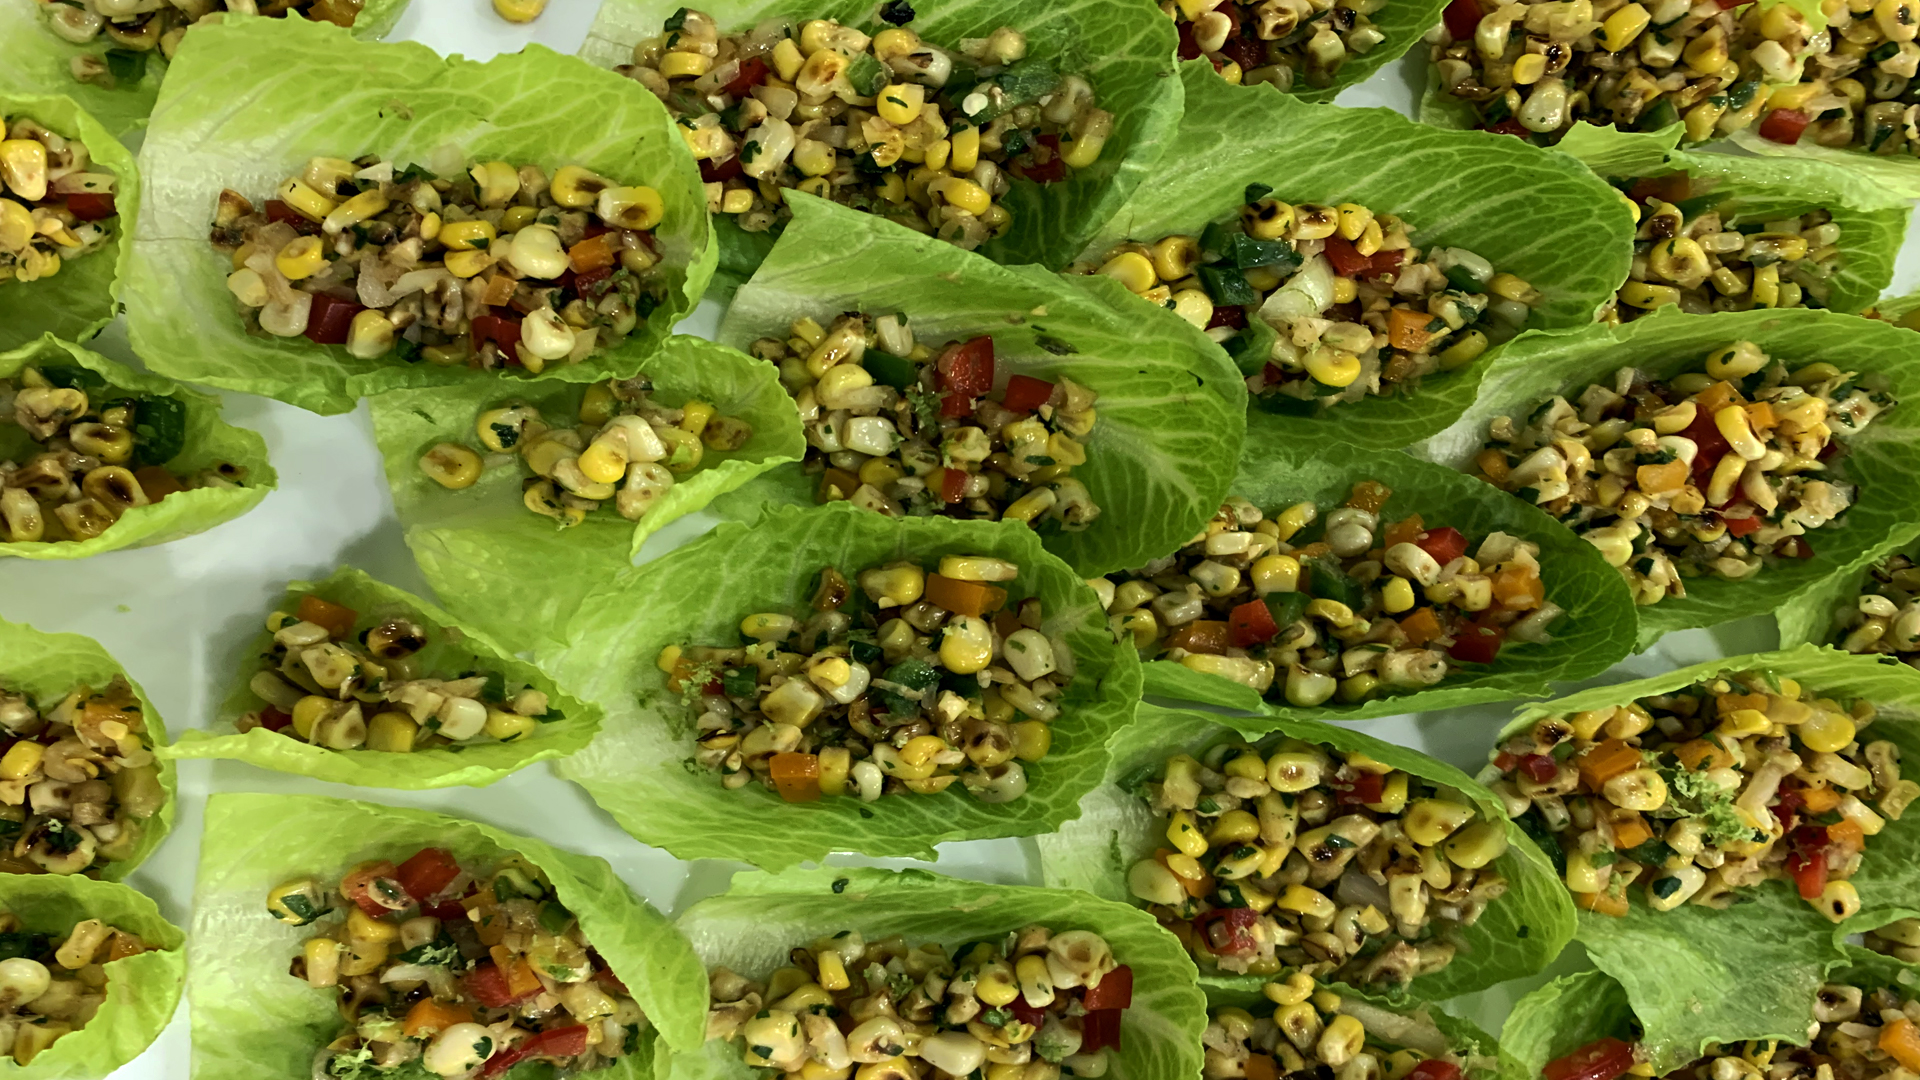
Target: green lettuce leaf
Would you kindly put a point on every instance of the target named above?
(1535, 367)
(455, 649)
(85, 295)
(209, 441)
(1404, 24)
(1566, 1014)
(1171, 407)
(1872, 221)
(1518, 935)
(1895, 309)
(1536, 215)
(243, 115)
(251, 1020)
(35, 60)
(491, 557)
(141, 990)
(1814, 616)
(1676, 966)
(1898, 174)
(1482, 1056)
(640, 767)
(1597, 630)
(751, 927)
(1124, 49)
(47, 666)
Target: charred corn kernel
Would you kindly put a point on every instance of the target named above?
(392, 733)
(995, 985)
(466, 235)
(1429, 821)
(1826, 731)
(685, 65)
(370, 335)
(1305, 901)
(23, 168)
(519, 11)
(1641, 294)
(1839, 901)
(451, 466)
(1175, 257)
(21, 760)
(1529, 69)
(1623, 26)
(1185, 836)
(1032, 740)
(575, 188)
(637, 207)
(307, 202)
(1332, 367)
(302, 258)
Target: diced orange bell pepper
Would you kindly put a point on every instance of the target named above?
(1819, 800)
(1714, 398)
(1760, 417)
(428, 1016)
(1201, 636)
(1629, 829)
(1901, 1040)
(499, 290)
(1601, 903)
(1605, 761)
(1661, 479)
(157, 482)
(1407, 329)
(521, 979)
(1262, 1067)
(838, 485)
(1848, 836)
(1493, 465)
(335, 619)
(1313, 550)
(593, 253)
(974, 598)
(796, 776)
(1404, 531)
(123, 945)
(1420, 627)
(1695, 751)
(1518, 587)
(1369, 495)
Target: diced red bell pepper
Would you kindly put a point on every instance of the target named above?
(1741, 526)
(1445, 544)
(488, 985)
(1505, 761)
(504, 332)
(446, 911)
(1509, 126)
(1232, 315)
(1674, 187)
(1784, 126)
(953, 485)
(1026, 1013)
(1244, 48)
(1477, 643)
(1189, 48)
(1100, 1030)
(1238, 922)
(591, 283)
(279, 211)
(965, 371)
(1435, 1069)
(88, 206)
(1364, 788)
(1114, 992)
(1709, 446)
(1462, 18)
(1251, 623)
(1602, 1059)
(336, 619)
(1796, 547)
(427, 872)
(753, 72)
(1346, 259)
(1787, 806)
(1540, 768)
(358, 886)
(1026, 393)
(1051, 171)
(715, 172)
(274, 720)
(1807, 860)
(605, 977)
(562, 1042)
(330, 319)
(1384, 262)
(1729, 5)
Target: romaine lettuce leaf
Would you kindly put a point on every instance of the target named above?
(454, 650)
(85, 295)
(1171, 407)
(1125, 50)
(1564, 1015)
(208, 441)
(1518, 934)
(47, 666)
(752, 926)
(1676, 966)
(490, 557)
(142, 990)
(1535, 367)
(251, 1020)
(1899, 174)
(1812, 618)
(243, 115)
(1277, 470)
(641, 770)
(1536, 215)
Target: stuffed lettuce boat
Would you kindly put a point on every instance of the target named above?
(1738, 815)
(832, 680)
(354, 681)
(1311, 52)
(1377, 585)
(1359, 300)
(95, 457)
(422, 228)
(85, 792)
(930, 381)
(71, 196)
(1868, 609)
(1629, 435)
(996, 978)
(486, 480)
(1051, 115)
(1304, 845)
(93, 973)
(112, 62)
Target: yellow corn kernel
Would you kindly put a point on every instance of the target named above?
(22, 760)
(1397, 596)
(1514, 288)
(638, 207)
(23, 167)
(1235, 827)
(835, 763)
(360, 927)
(508, 726)
(695, 416)
(1465, 349)
(392, 733)
(1084, 150)
(1477, 844)
(1740, 723)
(1185, 836)
(685, 65)
(1305, 901)
(466, 264)
(575, 188)
(307, 712)
(900, 103)
(308, 202)
(430, 227)
(1623, 26)
(323, 962)
(519, 11)
(354, 211)
(1825, 732)
(1032, 740)
(302, 258)
(451, 466)
(1393, 794)
(966, 149)
(1345, 289)
(1332, 367)
(962, 194)
(833, 972)
(1640, 294)
(466, 235)
(1529, 69)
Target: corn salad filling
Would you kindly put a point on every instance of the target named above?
(1710, 473)
(895, 427)
(52, 987)
(78, 780)
(1355, 308)
(1360, 612)
(456, 972)
(1859, 93)
(933, 679)
(138, 28)
(1288, 854)
(1533, 68)
(1899, 939)
(1886, 617)
(503, 267)
(1282, 42)
(1688, 254)
(96, 456)
(53, 206)
(928, 137)
(326, 685)
(1029, 1005)
(625, 448)
(1704, 792)
(1317, 1031)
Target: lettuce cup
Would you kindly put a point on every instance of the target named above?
(1739, 815)
(1295, 1023)
(354, 681)
(1357, 301)
(995, 978)
(489, 482)
(833, 680)
(1378, 585)
(85, 793)
(346, 939)
(1311, 52)
(998, 126)
(1870, 610)
(424, 229)
(1297, 844)
(93, 973)
(96, 457)
(71, 195)
(1721, 463)
(930, 381)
